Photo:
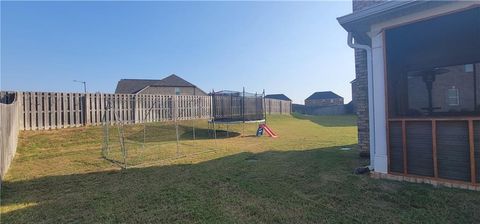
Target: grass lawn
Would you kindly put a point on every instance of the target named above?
(59, 176)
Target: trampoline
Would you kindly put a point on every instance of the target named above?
(234, 107)
(237, 107)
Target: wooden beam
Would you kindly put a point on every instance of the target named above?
(473, 174)
(404, 145)
(389, 158)
(434, 148)
(387, 114)
(465, 118)
(87, 109)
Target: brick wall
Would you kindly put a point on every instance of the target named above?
(354, 93)
(361, 99)
(327, 110)
(323, 102)
(360, 96)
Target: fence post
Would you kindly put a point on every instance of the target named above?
(20, 109)
(9, 132)
(175, 107)
(86, 109)
(135, 109)
(281, 108)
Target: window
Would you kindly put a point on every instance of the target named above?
(452, 97)
(177, 91)
(469, 68)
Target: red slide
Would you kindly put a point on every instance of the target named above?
(268, 130)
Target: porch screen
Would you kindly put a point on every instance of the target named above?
(443, 91)
(433, 97)
(433, 67)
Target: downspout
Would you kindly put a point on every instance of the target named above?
(371, 102)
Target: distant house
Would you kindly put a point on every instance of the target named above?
(278, 97)
(298, 108)
(171, 85)
(322, 99)
(278, 104)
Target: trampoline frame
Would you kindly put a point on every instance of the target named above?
(229, 121)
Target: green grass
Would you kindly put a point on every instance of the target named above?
(301, 177)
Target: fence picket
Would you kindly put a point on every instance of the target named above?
(10, 120)
(51, 111)
(43, 110)
(40, 104)
(27, 111)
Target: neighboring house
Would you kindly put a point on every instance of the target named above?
(324, 103)
(417, 88)
(171, 85)
(278, 104)
(322, 99)
(278, 97)
(298, 108)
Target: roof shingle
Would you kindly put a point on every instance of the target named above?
(131, 86)
(323, 95)
(278, 97)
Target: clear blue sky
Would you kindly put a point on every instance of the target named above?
(291, 48)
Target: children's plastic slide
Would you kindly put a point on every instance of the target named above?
(264, 127)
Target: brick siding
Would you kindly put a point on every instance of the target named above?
(360, 96)
(324, 102)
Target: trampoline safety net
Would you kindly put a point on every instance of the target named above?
(232, 106)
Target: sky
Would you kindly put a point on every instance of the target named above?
(294, 48)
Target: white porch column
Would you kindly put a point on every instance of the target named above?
(379, 101)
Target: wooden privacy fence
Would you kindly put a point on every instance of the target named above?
(9, 127)
(152, 108)
(54, 110)
(49, 110)
(274, 106)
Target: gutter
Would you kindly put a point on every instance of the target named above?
(383, 8)
(371, 102)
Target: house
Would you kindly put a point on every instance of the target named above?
(298, 108)
(278, 97)
(278, 104)
(417, 88)
(324, 103)
(171, 85)
(322, 99)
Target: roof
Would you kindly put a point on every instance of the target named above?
(236, 93)
(227, 92)
(175, 81)
(278, 97)
(323, 95)
(376, 10)
(135, 85)
(360, 21)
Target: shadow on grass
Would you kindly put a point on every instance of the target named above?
(165, 133)
(329, 121)
(270, 187)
